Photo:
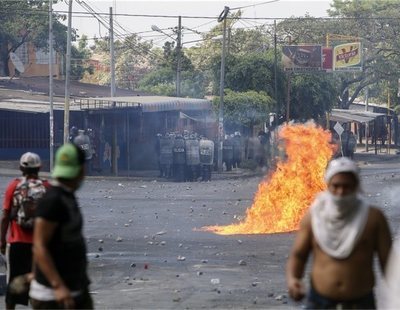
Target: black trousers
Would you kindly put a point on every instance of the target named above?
(19, 262)
(317, 301)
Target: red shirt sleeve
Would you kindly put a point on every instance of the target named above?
(8, 198)
(46, 184)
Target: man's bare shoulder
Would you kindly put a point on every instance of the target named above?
(376, 212)
(376, 215)
(305, 222)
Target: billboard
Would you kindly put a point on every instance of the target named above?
(327, 59)
(300, 58)
(347, 57)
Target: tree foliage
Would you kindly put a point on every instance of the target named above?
(26, 21)
(311, 96)
(246, 108)
(80, 54)
(375, 23)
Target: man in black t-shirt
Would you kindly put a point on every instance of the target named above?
(59, 248)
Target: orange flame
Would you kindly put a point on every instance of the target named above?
(284, 197)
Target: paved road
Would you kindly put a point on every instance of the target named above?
(155, 223)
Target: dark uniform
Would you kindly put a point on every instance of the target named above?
(227, 153)
(206, 158)
(179, 158)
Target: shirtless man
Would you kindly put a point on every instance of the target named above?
(343, 233)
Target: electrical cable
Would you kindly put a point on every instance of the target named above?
(253, 5)
(277, 18)
(106, 24)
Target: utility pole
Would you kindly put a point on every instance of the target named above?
(366, 123)
(112, 60)
(229, 41)
(179, 50)
(222, 17)
(114, 143)
(51, 114)
(67, 74)
(289, 89)
(276, 72)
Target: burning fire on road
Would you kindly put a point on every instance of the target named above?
(285, 195)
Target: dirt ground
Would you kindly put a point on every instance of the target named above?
(145, 251)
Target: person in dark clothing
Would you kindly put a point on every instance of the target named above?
(16, 239)
(59, 249)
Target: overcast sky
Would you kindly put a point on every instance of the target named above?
(211, 8)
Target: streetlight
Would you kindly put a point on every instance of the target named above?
(178, 49)
(222, 17)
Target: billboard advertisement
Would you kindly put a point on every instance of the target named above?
(300, 58)
(347, 57)
(327, 59)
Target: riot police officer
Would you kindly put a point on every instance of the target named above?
(179, 158)
(237, 149)
(166, 155)
(227, 153)
(206, 158)
(192, 158)
(82, 140)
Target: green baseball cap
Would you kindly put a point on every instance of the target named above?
(67, 164)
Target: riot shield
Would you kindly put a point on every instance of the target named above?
(166, 148)
(179, 153)
(206, 152)
(237, 149)
(192, 152)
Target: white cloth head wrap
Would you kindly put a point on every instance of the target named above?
(335, 233)
(337, 229)
(342, 164)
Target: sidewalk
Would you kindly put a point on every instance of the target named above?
(370, 157)
(11, 169)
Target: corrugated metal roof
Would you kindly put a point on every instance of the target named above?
(346, 116)
(33, 106)
(147, 103)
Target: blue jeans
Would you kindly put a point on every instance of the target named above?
(317, 301)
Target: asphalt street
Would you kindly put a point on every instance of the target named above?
(145, 249)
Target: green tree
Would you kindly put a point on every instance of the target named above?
(245, 109)
(26, 21)
(375, 23)
(133, 61)
(79, 56)
(311, 96)
(162, 81)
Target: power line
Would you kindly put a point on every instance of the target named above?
(106, 24)
(278, 18)
(253, 5)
